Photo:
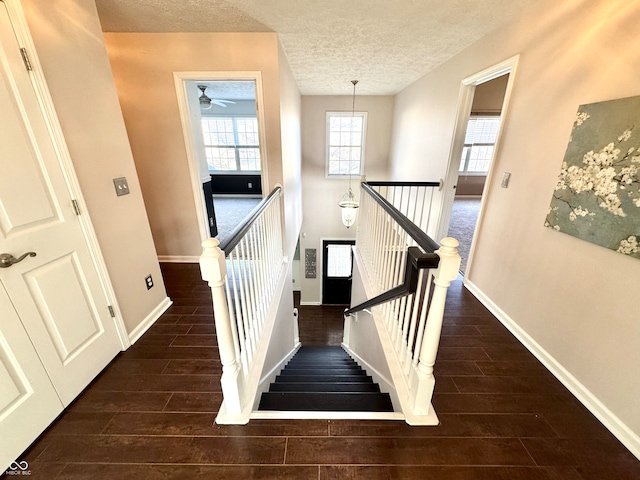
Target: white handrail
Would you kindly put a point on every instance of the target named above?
(243, 283)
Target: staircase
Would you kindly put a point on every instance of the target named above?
(324, 379)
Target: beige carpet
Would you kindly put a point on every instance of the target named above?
(463, 224)
(230, 212)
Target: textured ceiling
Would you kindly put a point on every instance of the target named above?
(385, 44)
(229, 90)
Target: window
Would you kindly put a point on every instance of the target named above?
(479, 143)
(231, 144)
(339, 261)
(345, 142)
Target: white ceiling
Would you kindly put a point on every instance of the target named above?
(228, 90)
(385, 44)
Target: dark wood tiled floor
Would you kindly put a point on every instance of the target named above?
(150, 415)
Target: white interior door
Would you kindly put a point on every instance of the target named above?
(57, 293)
(28, 401)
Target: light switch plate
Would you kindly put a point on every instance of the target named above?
(122, 187)
(505, 180)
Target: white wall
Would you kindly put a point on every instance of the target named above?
(320, 195)
(71, 49)
(143, 65)
(363, 338)
(577, 301)
(290, 118)
(283, 335)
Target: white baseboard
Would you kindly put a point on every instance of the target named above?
(285, 415)
(386, 385)
(178, 259)
(619, 429)
(314, 304)
(270, 377)
(149, 320)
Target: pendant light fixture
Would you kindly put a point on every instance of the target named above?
(348, 203)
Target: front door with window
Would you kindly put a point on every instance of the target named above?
(337, 271)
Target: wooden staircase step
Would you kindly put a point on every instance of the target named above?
(323, 371)
(324, 378)
(327, 402)
(324, 387)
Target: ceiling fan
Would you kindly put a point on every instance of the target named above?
(207, 102)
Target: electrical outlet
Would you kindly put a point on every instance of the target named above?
(149, 281)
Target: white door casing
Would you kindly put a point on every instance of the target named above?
(181, 80)
(57, 296)
(465, 101)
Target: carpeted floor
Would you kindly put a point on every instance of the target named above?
(463, 224)
(230, 212)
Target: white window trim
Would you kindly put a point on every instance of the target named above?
(362, 149)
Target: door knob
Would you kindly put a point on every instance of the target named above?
(6, 259)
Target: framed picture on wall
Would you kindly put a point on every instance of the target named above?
(597, 195)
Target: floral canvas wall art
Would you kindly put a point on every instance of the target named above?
(597, 195)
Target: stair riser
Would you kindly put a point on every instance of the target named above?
(328, 402)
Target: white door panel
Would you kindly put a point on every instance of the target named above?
(28, 401)
(57, 294)
(14, 214)
(59, 290)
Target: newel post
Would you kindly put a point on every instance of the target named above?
(214, 271)
(447, 272)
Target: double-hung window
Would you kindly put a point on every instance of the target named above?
(479, 144)
(231, 144)
(345, 143)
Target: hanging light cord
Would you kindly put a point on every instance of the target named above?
(353, 115)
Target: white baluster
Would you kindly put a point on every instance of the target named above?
(241, 319)
(214, 271)
(447, 272)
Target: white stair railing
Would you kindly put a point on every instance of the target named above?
(413, 199)
(243, 273)
(413, 321)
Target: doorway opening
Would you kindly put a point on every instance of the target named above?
(481, 110)
(478, 150)
(223, 128)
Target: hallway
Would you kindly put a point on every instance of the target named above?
(150, 415)
(464, 216)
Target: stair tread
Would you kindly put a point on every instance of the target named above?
(297, 359)
(322, 371)
(324, 387)
(324, 378)
(332, 401)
